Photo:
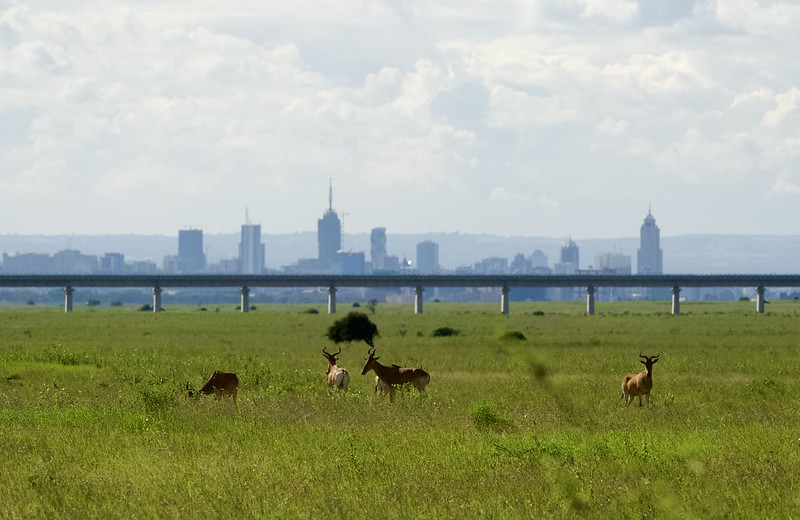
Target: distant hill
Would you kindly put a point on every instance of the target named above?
(694, 254)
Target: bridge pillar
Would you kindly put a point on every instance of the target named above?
(331, 300)
(676, 301)
(68, 298)
(418, 299)
(760, 300)
(590, 301)
(157, 299)
(245, 303)
(504, 299)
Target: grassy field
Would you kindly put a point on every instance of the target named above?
(95, 422)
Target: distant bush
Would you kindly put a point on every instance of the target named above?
(445, 331)
(538, 313)
(92, 303)
(116, 303)
(30, 302)
(356, 305)
(310, 310)
(146, 308)
(202, 309)
(513, 335)
(487, 416)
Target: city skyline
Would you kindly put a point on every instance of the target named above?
(512, 118)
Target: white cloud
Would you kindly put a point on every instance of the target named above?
(543, 106)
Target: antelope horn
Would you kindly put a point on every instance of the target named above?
(643, 356)
(340, 351)
(325, 351)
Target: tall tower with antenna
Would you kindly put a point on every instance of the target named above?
(329, 231)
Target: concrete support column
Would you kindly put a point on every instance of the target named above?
(331, 300)
(504, 299)
(590, 301)
(760, 300)
(245, 303)
(68, 298)
(156, 299)
(676, 301)
(418, 299)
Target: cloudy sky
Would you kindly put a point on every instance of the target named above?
(534, 118)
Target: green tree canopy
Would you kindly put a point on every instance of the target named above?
(353, 327)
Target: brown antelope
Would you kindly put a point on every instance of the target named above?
(641, 383)
(395, 375)
(338, 377)
(220, 384)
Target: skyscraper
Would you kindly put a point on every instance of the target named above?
(251, 250)
(377, 250)
(427, 257)
(649, 256)
(329, 232)
(570, 254)
(191, 258)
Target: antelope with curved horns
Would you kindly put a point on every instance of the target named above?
(220, 384)
(337, 376)
(395, 375)
(641, 383)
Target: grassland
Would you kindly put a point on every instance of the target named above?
(95, 422)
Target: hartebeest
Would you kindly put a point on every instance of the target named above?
(641, 383)
(220, 384)
(394, 375)
(338, 377)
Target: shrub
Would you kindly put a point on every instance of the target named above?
(513, 335)
(146, 308)
(486, 415)
(310, 310)
(538, 313)
(353, 327)
(92, 303)
(444, 332)
(116, 303)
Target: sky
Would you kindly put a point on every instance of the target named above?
(548, 118)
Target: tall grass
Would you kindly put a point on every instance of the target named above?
(522, 418)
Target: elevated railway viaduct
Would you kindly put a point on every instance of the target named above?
(505, 283)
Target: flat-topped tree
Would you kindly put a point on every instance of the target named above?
(356, 326)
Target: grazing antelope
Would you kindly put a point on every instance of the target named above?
(641, 383)
(338, 377)
(220, 384)
(395, 375)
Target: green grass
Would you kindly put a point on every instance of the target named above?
(522, 418)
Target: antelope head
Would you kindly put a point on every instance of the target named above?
(648, 362)
(331, 357)
(370, 361)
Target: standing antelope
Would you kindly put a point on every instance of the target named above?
(220, 384)
(641, 383)
(337, 376)
(395, 375)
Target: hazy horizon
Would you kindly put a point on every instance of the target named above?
(511, 118)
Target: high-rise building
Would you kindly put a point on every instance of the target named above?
(570, 254)
(649, 256)
(377, 250)
(191, 258)
(329, 232)
(427, 257)
(251, 250)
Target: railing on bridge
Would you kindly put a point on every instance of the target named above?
(506, 283)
